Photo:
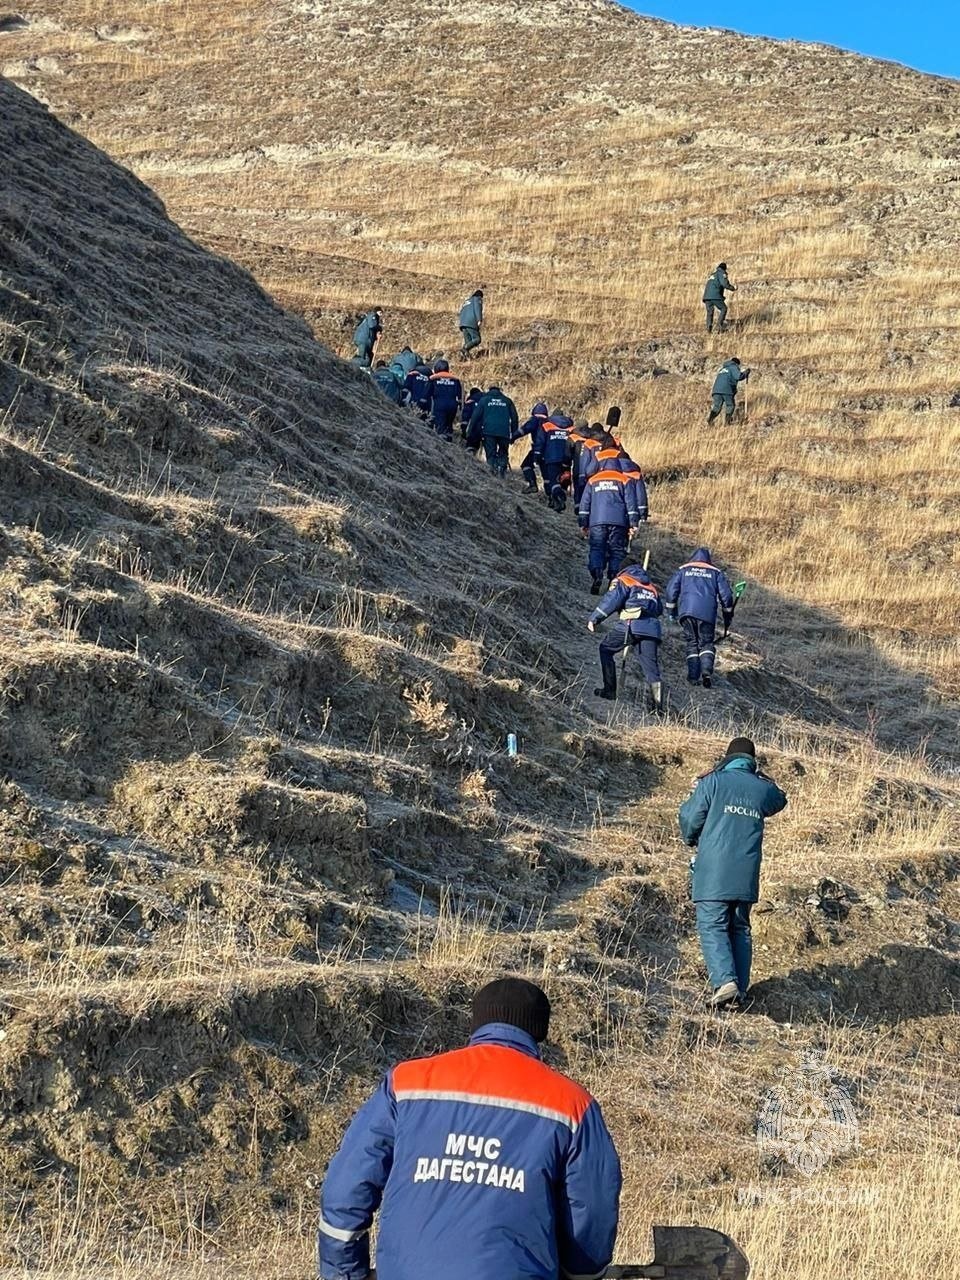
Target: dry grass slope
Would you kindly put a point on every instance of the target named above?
(258, 834)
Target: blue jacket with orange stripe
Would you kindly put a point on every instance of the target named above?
(634, 597)
(611, 496)
(551, 440)
(696, 587)
(485, 1164)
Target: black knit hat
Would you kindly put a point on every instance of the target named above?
(741, 747)
(721, 266)
(514, 1001)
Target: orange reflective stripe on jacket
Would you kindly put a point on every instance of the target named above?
(496, 1076)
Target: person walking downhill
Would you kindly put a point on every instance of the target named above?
(484, 1163)
(691, 597)
(470, 321)
(714, 297)
(723, 818)
(633, 596)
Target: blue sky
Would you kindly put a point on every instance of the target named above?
(925, 35)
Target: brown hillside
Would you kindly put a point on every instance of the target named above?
(266, 636)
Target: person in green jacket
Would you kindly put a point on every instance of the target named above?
(470, 321)
(494, 421)
(714, 299)
(725, 384)
(723, 818)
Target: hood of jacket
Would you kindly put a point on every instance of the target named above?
(637, 571)
(540, 410)
(561, 420)
(701, 556)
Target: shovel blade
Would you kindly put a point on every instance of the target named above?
(688, 1253)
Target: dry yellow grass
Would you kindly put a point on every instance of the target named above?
(589, 168)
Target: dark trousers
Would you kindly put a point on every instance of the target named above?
(471, 338)
(551, 472)
(646, 648)
(722, 402)
(721, 310)
(608, 550)
(528, 470)
(726, 942)
(579, 484)
(444, 417)
(701, 638)
(497, 452)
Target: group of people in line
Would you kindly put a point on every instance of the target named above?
(484, 1161)
(589, 463)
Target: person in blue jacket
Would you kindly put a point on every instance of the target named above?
(633, 596)
(692, 596)
(367, 335)
(417, 383)
(446, 398)
(729, 376)
(528, 469)
(612, 506)
(484, 1163)
(390, 383)
(494, 421)
(552, 451)
(466, 416)
(470, 321)
(723, 819)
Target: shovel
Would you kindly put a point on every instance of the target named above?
(688, 1253)
(738, 590)
(626, 647)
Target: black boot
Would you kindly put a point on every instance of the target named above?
(707, 682)
(596, 586)
(608, 695)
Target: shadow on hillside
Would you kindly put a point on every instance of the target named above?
(898, 984)
(801, 662)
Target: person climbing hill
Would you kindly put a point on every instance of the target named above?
(528, 468)
(470, 321)
(714, 297)
(691, 597)
(494, 421)
(611, 509)
(723, 818)
(366, 337)
(728, 379)
(552, 452)
(446, 398)
(633, 596)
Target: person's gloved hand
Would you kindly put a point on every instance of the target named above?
(727, 617)
(746, 374)
(584, 533)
